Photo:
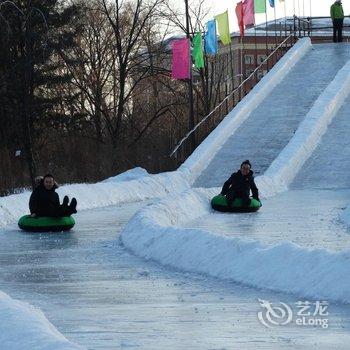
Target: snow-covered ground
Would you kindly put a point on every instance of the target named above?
(100, 296)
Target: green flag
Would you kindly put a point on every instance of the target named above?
(224, 31)
(259, 6)
(197, 52)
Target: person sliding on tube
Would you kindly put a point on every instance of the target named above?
(44, 201)
(240, 184)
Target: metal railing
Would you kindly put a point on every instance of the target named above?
(225, 100)
(208, 123)
(293, 28)
(311, 26)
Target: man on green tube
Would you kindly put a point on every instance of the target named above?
(240, 184)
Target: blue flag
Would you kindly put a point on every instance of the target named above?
(210, 38)
(272, 3)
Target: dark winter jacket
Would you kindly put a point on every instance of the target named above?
(241, 183)
(44, 202)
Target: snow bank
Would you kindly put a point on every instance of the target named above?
(24, 327)
(205, 152)
(132, 174)
(116, 190)
(286, 267)
(284, 168)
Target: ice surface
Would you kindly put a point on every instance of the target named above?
(100, 296)
(307, 218)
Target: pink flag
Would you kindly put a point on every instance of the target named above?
(181, 59)
(248, 12)
(240, 19)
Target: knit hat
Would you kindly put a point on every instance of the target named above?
(246, 162)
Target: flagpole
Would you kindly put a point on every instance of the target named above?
(303, 8)
(285, 21)
(274, 13)
(190, 84)
(256, 55)
(242, 90)
(310, 9)
(294, 7)
(267, 48)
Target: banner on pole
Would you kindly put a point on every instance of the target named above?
(181, 59)
(210, 38)
(239, 14)
(197, 52)
(248, 12)
(223, 26)
(260, 6)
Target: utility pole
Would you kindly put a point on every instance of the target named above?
(190, 84)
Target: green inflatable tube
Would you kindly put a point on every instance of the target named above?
(45, 224)
(219, 203)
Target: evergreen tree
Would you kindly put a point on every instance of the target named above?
(34, 35)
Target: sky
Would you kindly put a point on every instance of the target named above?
(318, 8)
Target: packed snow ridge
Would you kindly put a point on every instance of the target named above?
(24, 327)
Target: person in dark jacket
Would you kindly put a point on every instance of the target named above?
(44, 201)
(337, 15)
(240, 184)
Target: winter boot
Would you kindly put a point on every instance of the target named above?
(73, 206)
(65, 201)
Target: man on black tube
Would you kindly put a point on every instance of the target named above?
(240, 184)
(44, 201)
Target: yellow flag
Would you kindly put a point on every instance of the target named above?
(223, 28)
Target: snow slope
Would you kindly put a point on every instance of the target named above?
(272, 124)
(157, 231)
(207, 150)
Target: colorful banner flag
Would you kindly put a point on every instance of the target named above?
(181, 59)
(197, 51)
(210, 38)
(239, 14)
(272, 3)
(223, 26)
(260, 6)
(248, 12)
